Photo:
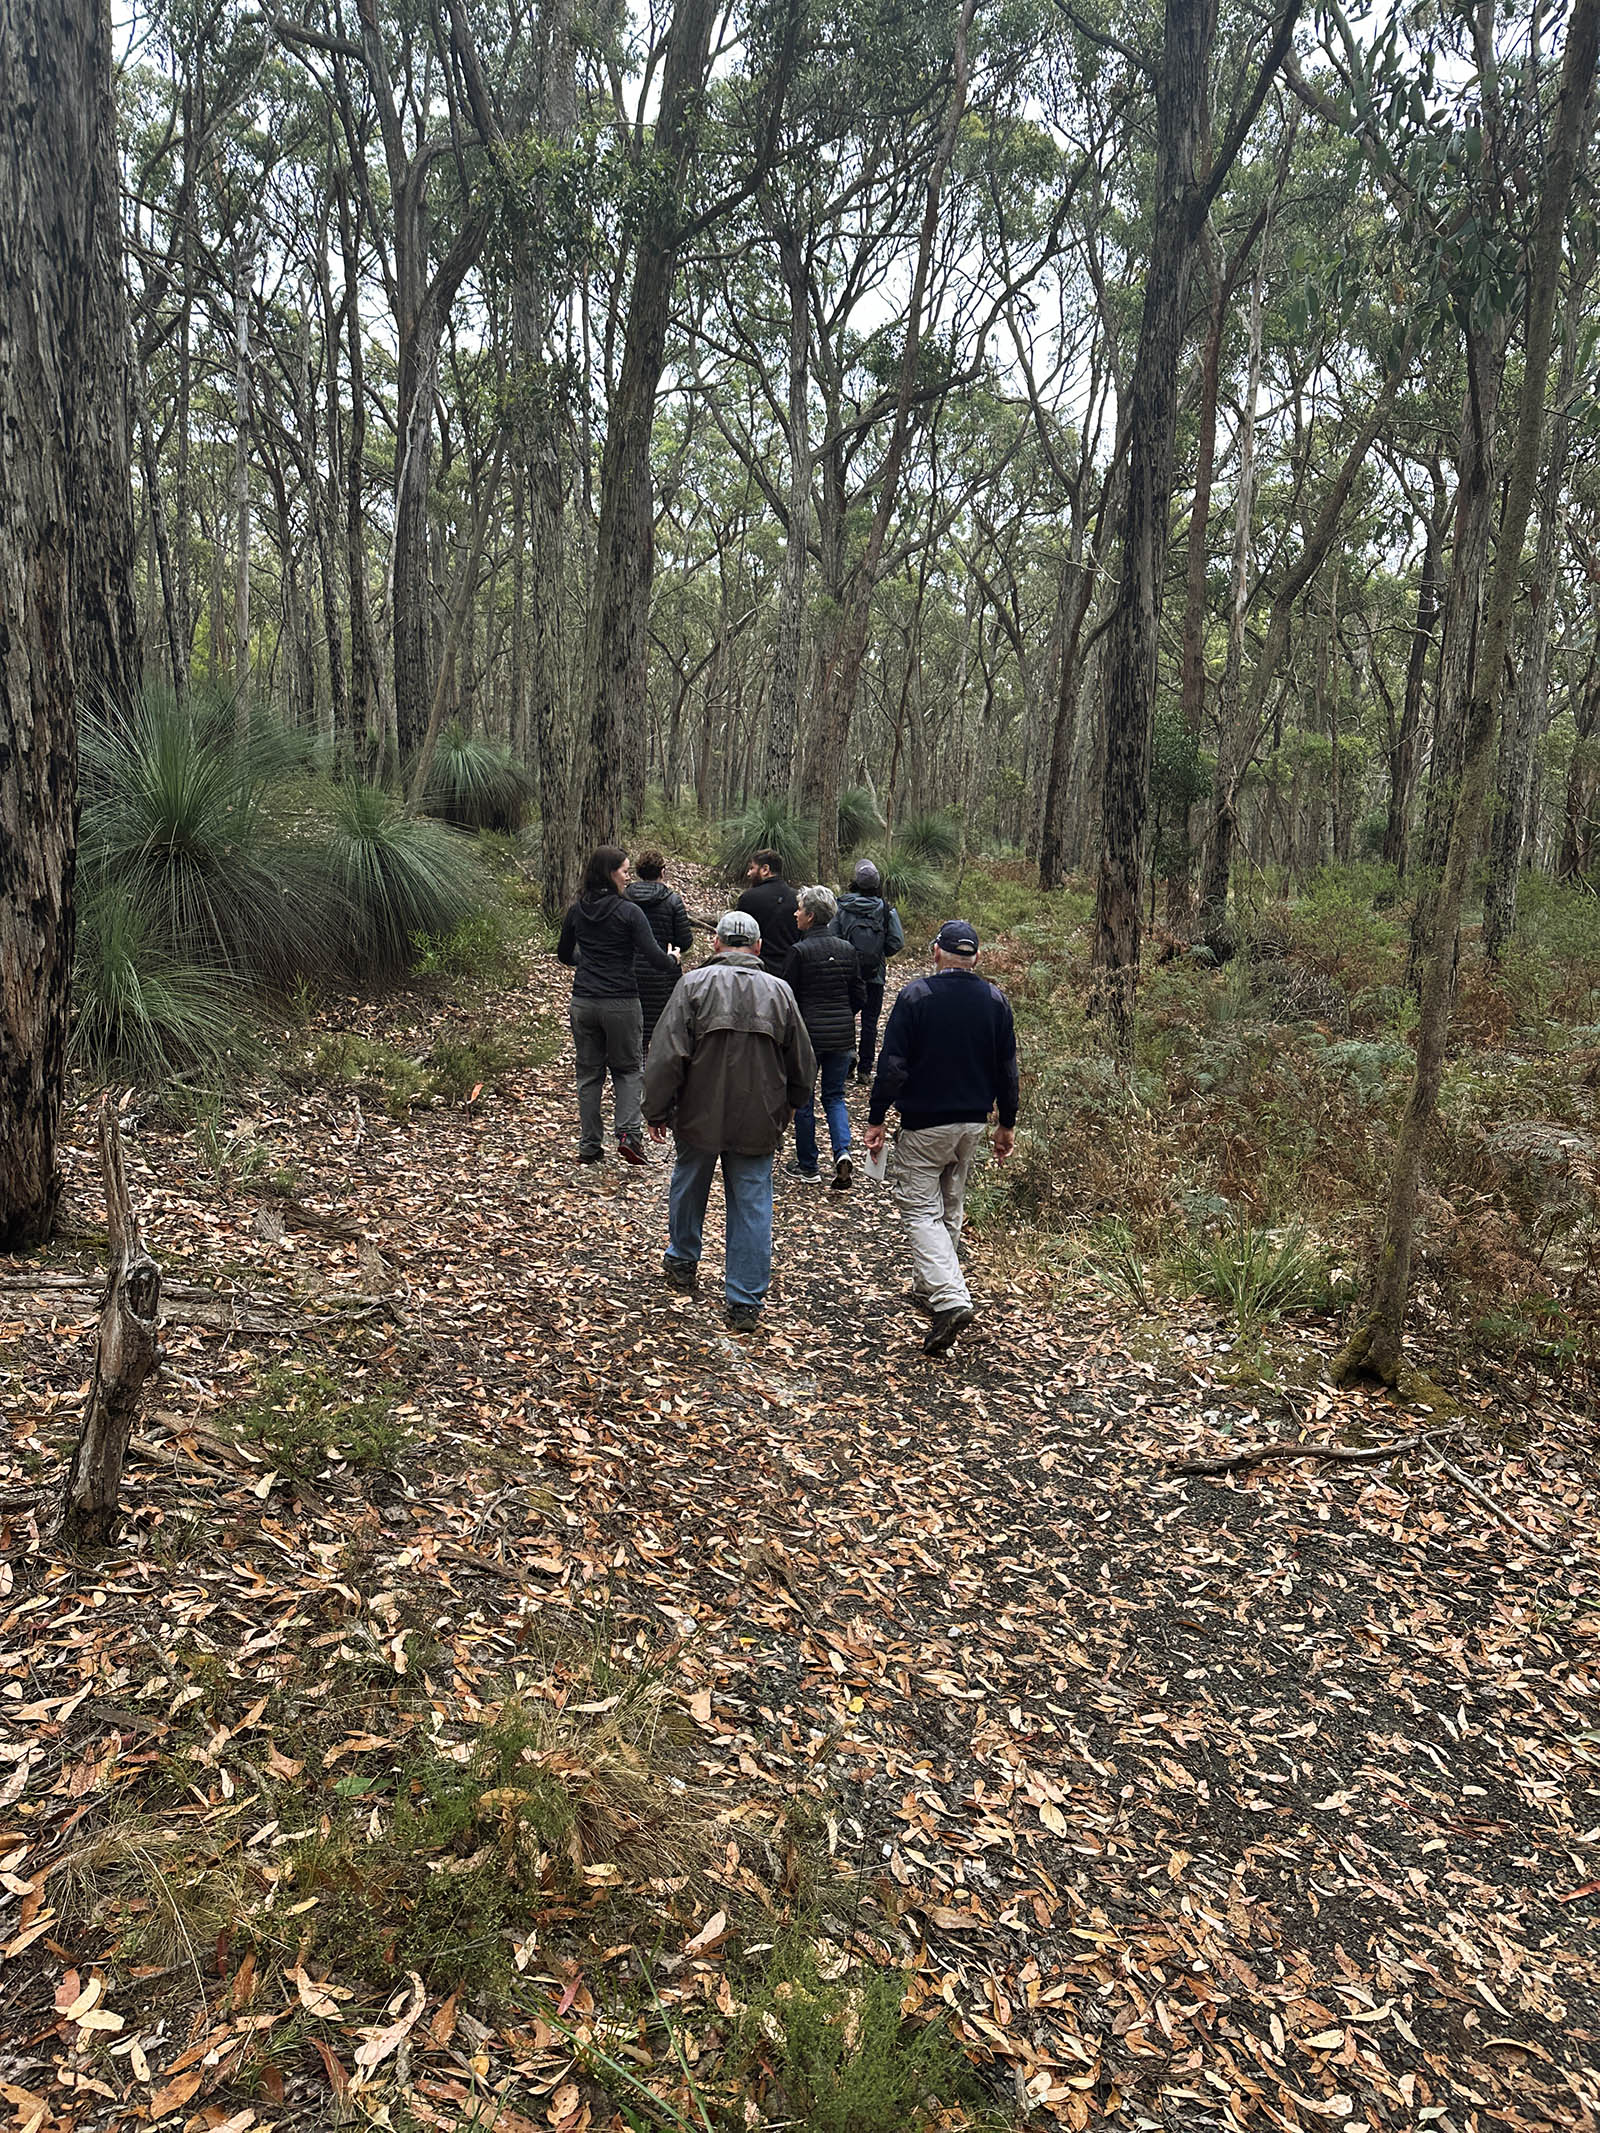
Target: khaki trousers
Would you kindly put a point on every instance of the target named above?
(930, 1187)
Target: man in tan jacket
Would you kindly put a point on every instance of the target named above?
(729, 1061)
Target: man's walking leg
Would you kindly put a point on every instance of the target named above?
(867, 1052)
(919, 1165)
(589, 1044)
(692, 1172)
(953, 1180)
(747, 1185)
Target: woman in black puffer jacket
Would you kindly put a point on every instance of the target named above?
(824, 974)
(669, 922)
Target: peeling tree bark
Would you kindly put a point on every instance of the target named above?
(67, 624)
(125, 1354)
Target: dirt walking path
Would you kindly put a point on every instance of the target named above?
(1272, 1799)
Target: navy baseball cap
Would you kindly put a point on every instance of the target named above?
(956, 937)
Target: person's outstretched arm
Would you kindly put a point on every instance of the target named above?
(567, 946)
(682, 931)
(894, 937)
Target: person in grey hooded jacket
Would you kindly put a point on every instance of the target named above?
(871, 924)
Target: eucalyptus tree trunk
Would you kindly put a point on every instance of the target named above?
(321, 498)
(1233, 739)
(1242, 736)
(1525, 728)
(784, 711)
(1152, 428)
(241, 489)
(1477, 487)
(1076, 593)
(1376, 1347)
(177, 649)
(616, 662)
(67, 622)
(1581, 814)
(1403, 756)
(364, 712)
(850, 643)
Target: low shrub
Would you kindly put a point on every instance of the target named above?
(474, 784)
(768, 825)
(933, 840)
(189, 820)
(139, 1009)
(1256, 1274)
(396, 876)
(859, 818)
(837, 2054)
(305, 1422)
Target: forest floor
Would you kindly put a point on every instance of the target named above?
(500, 1658)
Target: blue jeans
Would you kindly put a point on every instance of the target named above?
(747, 1189)
(835, 1072)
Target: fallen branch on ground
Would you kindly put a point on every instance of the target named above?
(1354, 1454)
(1473, 1489)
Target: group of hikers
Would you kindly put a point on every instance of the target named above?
(726, 1054)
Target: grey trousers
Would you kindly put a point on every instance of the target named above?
(607, 1033)
(930, 1189)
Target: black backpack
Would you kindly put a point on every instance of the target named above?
(867, 932)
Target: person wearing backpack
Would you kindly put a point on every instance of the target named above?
(872, 927)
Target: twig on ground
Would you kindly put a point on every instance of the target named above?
(1473, 1489)
(1355, 1454)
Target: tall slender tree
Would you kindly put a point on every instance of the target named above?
(68, 631)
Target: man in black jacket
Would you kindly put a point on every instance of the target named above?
(824, 974)
(949, 1058)
(771, 903)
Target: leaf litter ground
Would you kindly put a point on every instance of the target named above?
(1273, 1799)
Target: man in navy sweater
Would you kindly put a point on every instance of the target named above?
(949, 1058)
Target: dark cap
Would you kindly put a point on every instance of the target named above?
(956, 937)
(866, 878)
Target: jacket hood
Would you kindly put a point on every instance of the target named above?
(598, 906)
(859, 900)
(647, 892)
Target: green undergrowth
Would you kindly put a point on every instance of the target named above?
(304, 1420)
(1238, 1168)
(830, 2049)
(481, 1053)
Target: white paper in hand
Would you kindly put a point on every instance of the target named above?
(877, 1166)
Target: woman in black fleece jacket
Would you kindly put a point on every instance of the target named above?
(601, 936)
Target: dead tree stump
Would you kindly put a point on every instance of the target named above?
(125, 1354)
